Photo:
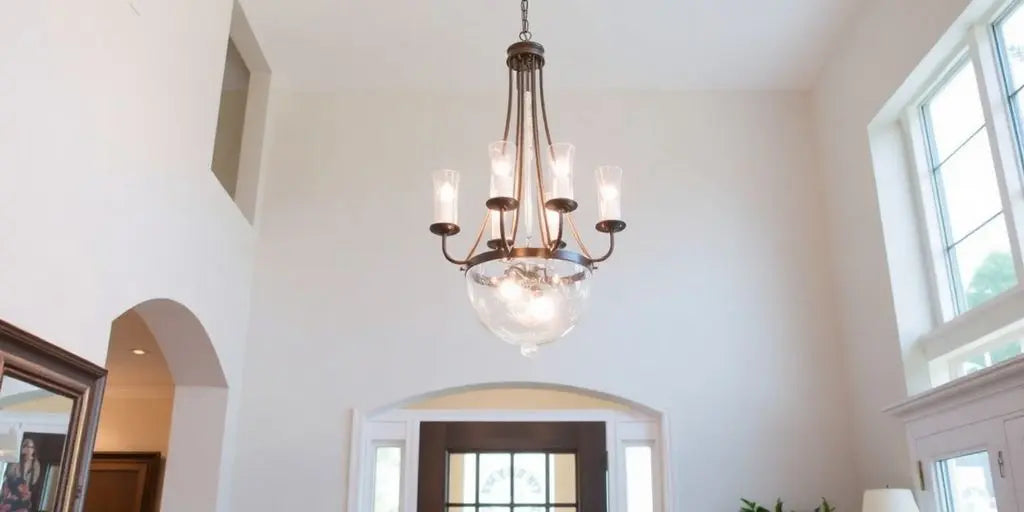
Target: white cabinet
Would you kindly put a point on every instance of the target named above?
(963, 470)
(966, 440)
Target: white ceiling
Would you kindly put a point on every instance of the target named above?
(637, 44)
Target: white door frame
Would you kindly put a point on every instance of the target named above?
(401, 428)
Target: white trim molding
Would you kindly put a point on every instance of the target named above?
(400, 428)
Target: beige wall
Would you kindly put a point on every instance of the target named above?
(135, 420)
(516, 399)
(49, 404)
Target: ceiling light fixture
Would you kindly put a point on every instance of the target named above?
(139, 352)
(528, 289)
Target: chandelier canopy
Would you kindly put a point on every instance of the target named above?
(529, 289)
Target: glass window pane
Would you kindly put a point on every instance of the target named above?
(462, 478)
(983, 264)
(970, 193)
(965, 484)
(562, 468)
(955, 112)
(639, 479)
(387, 479)
(530, 481)
(1011, 33)
(495, 483)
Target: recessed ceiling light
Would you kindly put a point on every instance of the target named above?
(139, 352)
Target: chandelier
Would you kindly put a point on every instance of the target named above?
(528, 288)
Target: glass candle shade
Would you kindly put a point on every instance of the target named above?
(609, 192)
(446, 196)
(561, 158)
(503, 161)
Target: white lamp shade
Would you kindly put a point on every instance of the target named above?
(889, 500)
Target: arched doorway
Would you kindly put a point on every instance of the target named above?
(167, 393)
(388, 444)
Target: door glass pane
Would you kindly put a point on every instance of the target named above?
(562, 468)
(1011, 32)
(639, 479)
(495, 483)
(955, 112)
(530, 479)
(462, 478)
(983, 264)
(387, 479)
(970, 193)
(965, 484)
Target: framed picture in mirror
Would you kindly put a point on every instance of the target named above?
(49, 410)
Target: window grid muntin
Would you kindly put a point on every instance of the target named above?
(1012, 94)
(547, 505)
(956, 287)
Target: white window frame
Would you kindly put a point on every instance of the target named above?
(969, 330)
(401, 428)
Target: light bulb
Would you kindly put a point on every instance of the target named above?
(609, 192)
(510, 290)
(561, 168)
(446, 192)
(541, 309)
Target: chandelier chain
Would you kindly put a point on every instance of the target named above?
(525, 35)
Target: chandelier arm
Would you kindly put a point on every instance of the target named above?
(544, 113)
(576, 235)
(444, 251)
(508, 106)
(611, 249)
(520, 101)
(557, 242)
(479, 236)
(504, 239)
(545, 231)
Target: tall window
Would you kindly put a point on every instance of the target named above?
(1009, 32)
(974, 236)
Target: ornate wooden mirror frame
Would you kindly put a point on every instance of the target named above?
(37, 362)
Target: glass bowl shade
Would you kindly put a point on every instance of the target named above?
(529, 302)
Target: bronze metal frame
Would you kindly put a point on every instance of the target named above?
(33, 360)
(525, 60)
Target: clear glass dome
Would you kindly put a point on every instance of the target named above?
(529, 302)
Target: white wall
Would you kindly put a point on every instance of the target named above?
(715, 309)
(105, 191)
(879, 52)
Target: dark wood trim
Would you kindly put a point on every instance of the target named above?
(586, 439)
(151, 461)
(32, 359)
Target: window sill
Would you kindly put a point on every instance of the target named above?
(977, 386)
(990, 320)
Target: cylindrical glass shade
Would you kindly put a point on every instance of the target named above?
(561, 158)
(609, 192)
(446, 196)
(529, 302)
(503, 161)
(553, 218)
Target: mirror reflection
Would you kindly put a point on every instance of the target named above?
(34, 424)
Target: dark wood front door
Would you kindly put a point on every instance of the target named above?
(512, 467)
(123, 482)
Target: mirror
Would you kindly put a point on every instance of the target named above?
(49, 410)
(34, 424)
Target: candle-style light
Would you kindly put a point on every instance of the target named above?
(528, 288)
